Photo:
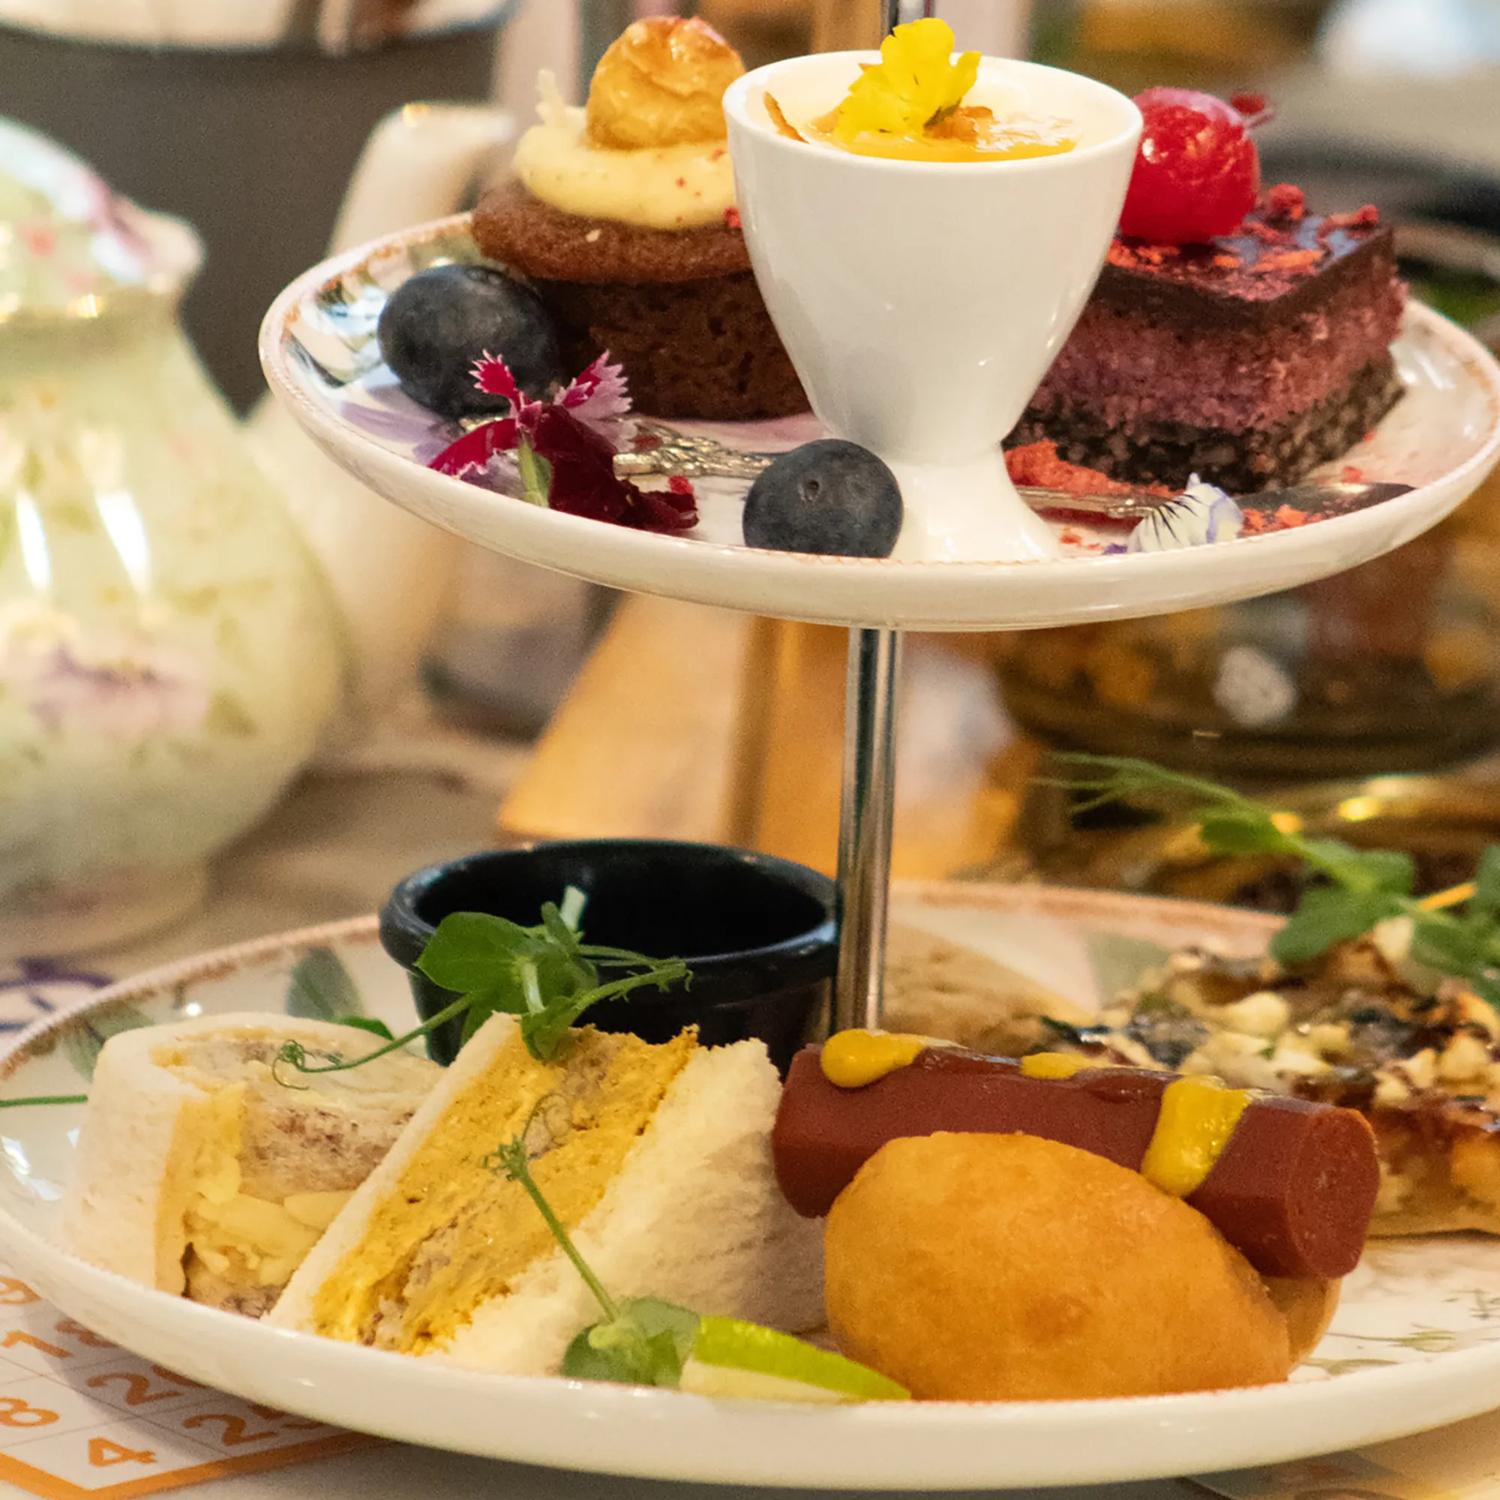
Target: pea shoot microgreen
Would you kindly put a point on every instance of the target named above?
(545, 975)
(641, 1340)
(645, 1341)
(361, 1023)
(1362, 887)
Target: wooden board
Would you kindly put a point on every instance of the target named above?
(695, 723)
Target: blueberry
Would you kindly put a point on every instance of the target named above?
(830, 497)
(439, 322)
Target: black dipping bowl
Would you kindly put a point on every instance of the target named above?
(759, 933)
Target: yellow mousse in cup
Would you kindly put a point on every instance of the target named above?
(910, 106)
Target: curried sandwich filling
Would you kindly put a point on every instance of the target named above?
(451, 1233)
(271, 1166)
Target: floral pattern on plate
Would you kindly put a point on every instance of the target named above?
(335, 338)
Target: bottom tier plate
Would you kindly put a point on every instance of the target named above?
(1416, 1343)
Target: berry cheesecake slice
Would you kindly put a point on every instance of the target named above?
(1246, 342)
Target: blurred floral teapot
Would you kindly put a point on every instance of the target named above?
(390, 573)
(168, 650)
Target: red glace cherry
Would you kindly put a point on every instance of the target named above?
(1196, 173)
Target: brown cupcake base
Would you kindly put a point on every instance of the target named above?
(704, 349)
(678, 310)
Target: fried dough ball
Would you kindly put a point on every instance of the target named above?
(1308, 1307)
(661, 83)
(1005, 1267)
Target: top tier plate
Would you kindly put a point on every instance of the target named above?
(319, 352)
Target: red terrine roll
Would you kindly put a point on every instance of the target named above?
(1293, 1190)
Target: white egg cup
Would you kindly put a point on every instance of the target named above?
(922, 302)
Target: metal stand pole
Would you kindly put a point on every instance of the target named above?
(865, 825)
(897, 12)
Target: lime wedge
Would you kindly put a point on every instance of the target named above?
(731, 1358)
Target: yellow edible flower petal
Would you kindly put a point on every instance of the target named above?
(914, 82)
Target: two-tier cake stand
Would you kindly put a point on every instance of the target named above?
(321, 355)
(318, 350)
(970, 319)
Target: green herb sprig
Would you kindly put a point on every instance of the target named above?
(642, 1340)
(360, 1023)
(546, 976)
(1364, 886)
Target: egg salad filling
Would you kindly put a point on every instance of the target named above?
(238, 1238)
(268, 1168)
(449, 1235)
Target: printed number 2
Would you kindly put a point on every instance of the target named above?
(14, 1412)
(14, 1293)
(282, 1420)
(105, 1451)
(137, 1388)
(234, 1427)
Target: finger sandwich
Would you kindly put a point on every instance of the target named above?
(657, 1160)
(206, 1171)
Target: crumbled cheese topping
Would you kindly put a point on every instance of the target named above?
(1392, 939)
(1264, 1013)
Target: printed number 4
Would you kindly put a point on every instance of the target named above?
(105, 1451)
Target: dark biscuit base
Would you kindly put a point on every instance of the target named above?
(702, 349)
(537, 240)
(1170, 453)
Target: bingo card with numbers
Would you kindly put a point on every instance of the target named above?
(79, 1417)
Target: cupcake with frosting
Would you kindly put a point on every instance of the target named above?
(622, 215)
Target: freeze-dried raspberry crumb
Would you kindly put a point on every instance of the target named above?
(1286, 201)
(1286, 260)
(1366, 217)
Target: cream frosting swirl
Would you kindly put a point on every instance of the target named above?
(689, 186)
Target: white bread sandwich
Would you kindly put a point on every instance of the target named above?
(201, 1173)
(656, 1159)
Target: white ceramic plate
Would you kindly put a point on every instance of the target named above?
(1416, 1343)
(319, 353)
